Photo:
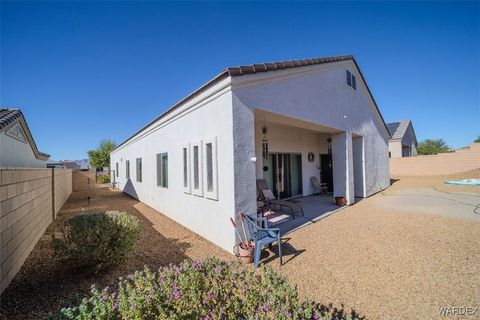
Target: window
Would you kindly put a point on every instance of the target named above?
(210, 172)
(186, 168)
(116, 169)
(197, 169)
(127, 169)
(209, 166)
(162, 170)
(351, 80)
(139, 169)
(165, 170)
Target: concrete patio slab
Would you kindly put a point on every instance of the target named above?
(431, 201)
(315, 207)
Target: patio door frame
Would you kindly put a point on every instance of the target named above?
(280, 160)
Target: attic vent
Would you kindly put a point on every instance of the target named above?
(351, 80)
(17, 133)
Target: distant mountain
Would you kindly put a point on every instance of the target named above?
(84, 164)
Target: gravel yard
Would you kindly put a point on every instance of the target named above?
(384, 262)
(390, 263)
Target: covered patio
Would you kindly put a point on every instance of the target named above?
(292, 154)
(315, 207)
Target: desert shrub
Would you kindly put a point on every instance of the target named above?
(211, 289)
(432, 146)
(97, 240)
(103, 178)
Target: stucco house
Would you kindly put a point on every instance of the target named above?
(17, 146)
(284, 121)
(403, 141)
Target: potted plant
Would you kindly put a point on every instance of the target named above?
(244, 249)
(340, 201)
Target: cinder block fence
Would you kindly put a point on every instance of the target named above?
(29, 201)
(443, 163)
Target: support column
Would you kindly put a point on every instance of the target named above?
(342, 156)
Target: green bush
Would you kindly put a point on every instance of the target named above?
(103, 178)
(211, 289)
(97, 240)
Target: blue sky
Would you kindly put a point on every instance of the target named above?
(83, 71)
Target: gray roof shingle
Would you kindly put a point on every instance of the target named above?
(397, 129)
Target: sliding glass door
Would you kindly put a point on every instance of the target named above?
(284, 174)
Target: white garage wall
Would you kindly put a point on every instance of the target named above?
(199, 119)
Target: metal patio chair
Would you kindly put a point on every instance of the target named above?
(262, 236)
(265, 194)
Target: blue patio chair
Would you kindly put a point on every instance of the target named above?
(262, 236)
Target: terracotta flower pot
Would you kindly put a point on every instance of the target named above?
(245, 254)
(340, 201)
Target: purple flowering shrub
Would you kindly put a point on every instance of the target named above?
(211, 289)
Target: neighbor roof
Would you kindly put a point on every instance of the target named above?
(9, 116)
(397, 129)
(257, 68)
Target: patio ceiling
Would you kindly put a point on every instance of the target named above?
(262, 116)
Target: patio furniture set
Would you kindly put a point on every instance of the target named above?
(261, 233)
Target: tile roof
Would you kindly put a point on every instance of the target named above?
(397, 129)
(8, 116)
(256, 68)
(271, 66)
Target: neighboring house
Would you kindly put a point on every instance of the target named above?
(286, 122)
(403, 142)
(17, 146)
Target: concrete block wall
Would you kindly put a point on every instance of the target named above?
(63, 186)
(443, 163)
(29, 202)
(83, 180)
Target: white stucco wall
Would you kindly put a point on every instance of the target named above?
(15, 153)
(320, 95)
(207, 116)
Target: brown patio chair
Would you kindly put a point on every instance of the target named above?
(265, 194)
